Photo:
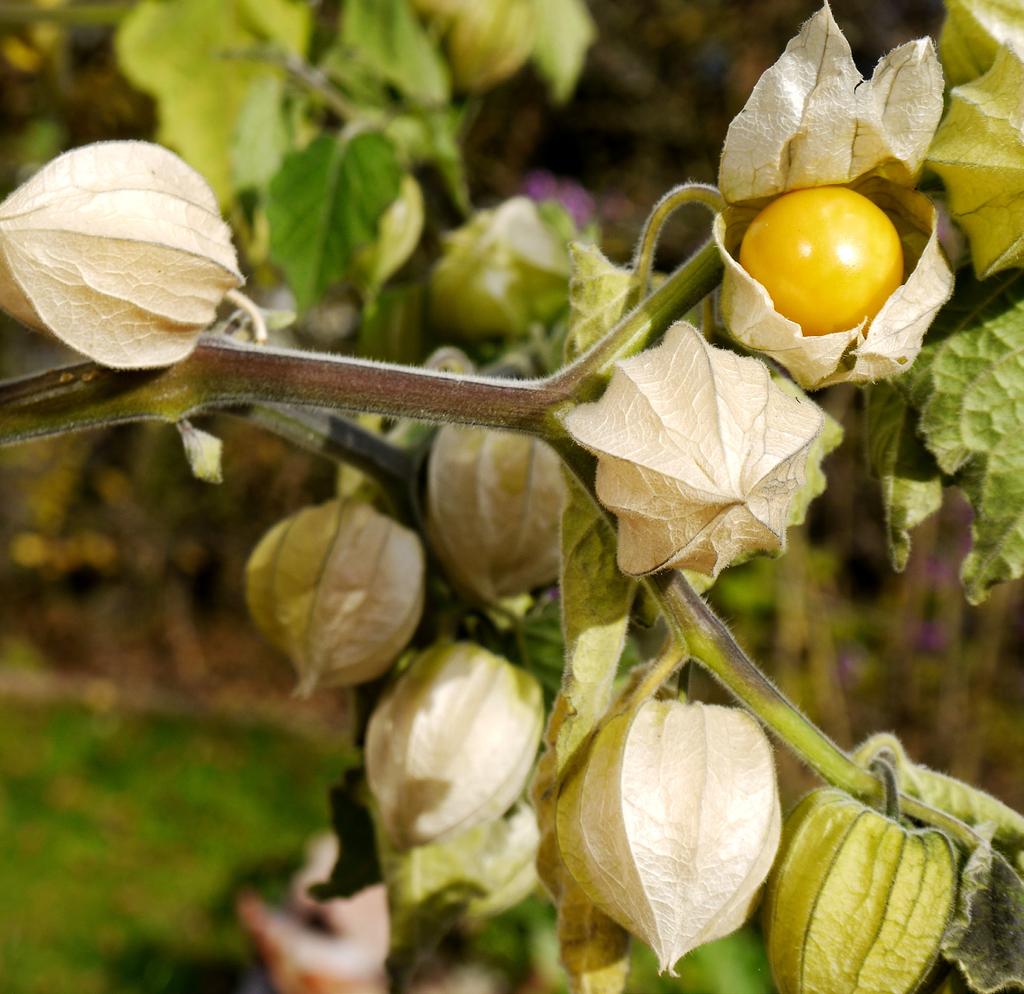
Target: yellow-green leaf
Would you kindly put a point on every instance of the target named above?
(973, 33)
(178, 52)
(979, 153)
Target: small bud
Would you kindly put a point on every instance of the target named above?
(856, 902)
(119, 250)
(398, 233)
(339, 588)
(494, 504)
(699, 454)
(451, 743)
(489, 41)
(672, 823)
(499, 273)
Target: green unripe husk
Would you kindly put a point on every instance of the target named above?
(856, 903)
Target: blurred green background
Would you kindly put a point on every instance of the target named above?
(152, 761)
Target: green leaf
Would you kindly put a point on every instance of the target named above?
(393, 323)
(829, 438)
(911, 482)
(175, 50)
(973, 33)
(970, 388)
(387, 36)
(596, 601)
(432, 136)
(357, 865)
(565, 31)
(262, 136)
(326, 202)
(398, 234)
(479, 873)
(985, 939)
(598, 291)
(978, 152)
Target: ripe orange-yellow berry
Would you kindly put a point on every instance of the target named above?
(827, 256)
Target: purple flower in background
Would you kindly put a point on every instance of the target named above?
(539, 184)
(930, 637)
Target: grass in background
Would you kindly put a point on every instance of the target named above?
(124, 841)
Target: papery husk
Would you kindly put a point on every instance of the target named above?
(119, 250)
(451, 744)
(502, 271)
(811, 120)
(856, 903)
(699, 454)
(494, 503)
(489, 40)
(881, 348)
(672, 823)
(339, 588)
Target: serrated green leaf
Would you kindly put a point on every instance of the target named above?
(973, 33)
(357, 865)
(598, 291)
(176, 51)
(262, 136)
(565, 31)
(978, 151)
(326, 202)
(386, 36)
(985, 939)
(911, 482)
(970, 389)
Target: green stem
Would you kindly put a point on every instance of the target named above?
(390, 466)
(221, 374)
(680, 196)
(584, 378)
(671, 657)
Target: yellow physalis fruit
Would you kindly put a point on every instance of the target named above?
(339, 588)
(118, 249)
(494, 505)
(452, 742)
(856, 902)
(828, 257)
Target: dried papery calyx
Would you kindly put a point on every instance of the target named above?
(339, 588)
(494, 503)
(672, 823)
(118, 249)
(452, 742)
(699, 454)
(813, 122)
(499, 273)
(857, 903)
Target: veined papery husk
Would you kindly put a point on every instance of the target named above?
(339, 588)
(672, 823)
(451, 744)
(119, 250)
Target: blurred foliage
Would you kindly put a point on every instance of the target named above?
(126, 840)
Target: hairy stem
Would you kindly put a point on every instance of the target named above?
(683, 290)
(643, 263)
(221, 374)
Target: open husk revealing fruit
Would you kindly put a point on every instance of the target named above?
(812, 121)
